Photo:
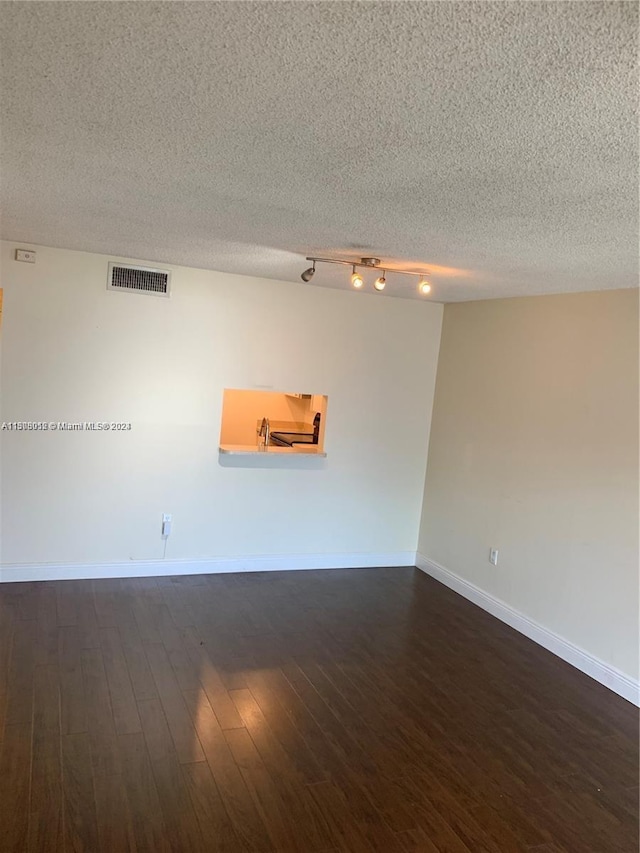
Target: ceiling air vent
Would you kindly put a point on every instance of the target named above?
(138, 279)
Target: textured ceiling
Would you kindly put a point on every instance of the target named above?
(494, 143)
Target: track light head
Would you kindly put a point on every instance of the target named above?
(307, 275)
(380, 282)
(424, 287)
(356, 279)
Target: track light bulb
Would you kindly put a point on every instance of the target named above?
(356, 279)
(380, 282)
(424, 287)
(307, 275)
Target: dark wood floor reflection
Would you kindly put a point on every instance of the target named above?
(298, 711)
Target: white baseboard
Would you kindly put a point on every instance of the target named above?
(156, 568)
(602, 672)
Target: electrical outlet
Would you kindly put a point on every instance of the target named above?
(166, 524)
(493, 556)
(26, 256)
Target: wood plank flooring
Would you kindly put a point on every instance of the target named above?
(357, 710)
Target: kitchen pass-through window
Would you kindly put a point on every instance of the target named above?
(294, 420)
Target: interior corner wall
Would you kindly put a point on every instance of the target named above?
(534, 451)
(73, 351)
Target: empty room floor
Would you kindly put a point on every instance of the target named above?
(352, 710)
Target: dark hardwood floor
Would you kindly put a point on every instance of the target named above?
(305, 711)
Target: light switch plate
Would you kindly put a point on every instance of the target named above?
(26, 256)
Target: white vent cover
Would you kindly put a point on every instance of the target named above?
(138, 279)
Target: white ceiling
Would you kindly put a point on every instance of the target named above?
(493, 143)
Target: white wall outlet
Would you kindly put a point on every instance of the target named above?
(166, 524)
(26, 256)
(493, 556)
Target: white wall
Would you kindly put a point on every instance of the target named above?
(534, 451)
(73, 351)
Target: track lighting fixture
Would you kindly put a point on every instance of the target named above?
(372, 263)
(307, 275)
(356, 278)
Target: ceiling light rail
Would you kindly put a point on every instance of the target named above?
(369, 263)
